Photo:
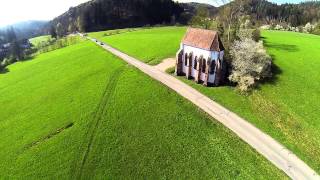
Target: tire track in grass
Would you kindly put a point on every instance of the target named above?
(98, 114)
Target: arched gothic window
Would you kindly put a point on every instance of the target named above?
(212, 66)
(195, 63)
(190, 59)
(204, 65)
(186, 59)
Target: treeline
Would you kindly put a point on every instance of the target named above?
(113, 14)
(264, 12)
(52, 44)
(12, 49)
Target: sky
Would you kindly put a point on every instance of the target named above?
(12, 11)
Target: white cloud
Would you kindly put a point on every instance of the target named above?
(12, 11)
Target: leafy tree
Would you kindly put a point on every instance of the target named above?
(16, 51)
(220, 29)
(53, 32)
(2, 37)
(250, 63)
(59, 30)
(228, 16)
(84, 22)
(308, 28)
(11, 35)
(202, 18)
(317, 29)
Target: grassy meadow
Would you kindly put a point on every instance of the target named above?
(285, 107)
(37, 40)
(79, 113)
(151, 45)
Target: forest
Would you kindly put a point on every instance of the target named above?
(112, 14)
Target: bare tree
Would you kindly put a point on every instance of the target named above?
(230, 13)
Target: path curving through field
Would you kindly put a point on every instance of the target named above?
(276, 153)
(166, 64)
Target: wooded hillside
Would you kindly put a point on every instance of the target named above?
(112, 14)
(266, 12)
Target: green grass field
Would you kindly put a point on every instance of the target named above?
(80, 113)
(286, 107)
(37, 40)
(149, 45)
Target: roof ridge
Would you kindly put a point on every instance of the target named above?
(202, 38)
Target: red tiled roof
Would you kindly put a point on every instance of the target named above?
(204, 39)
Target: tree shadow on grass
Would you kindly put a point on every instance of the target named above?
(29, 58)
(4, 71)
(276, 72)
(282, 47)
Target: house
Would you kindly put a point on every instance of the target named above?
(4, 50)
(200, 57)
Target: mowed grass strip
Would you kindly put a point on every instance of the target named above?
(151, 45)
(125, 125)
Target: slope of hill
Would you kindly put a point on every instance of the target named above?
(190, 9)
(284, 108)
(79, 113)
(111, 14)
(267, 12)
(28, 29)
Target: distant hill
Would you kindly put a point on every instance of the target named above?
(112, 14)
(192, 7)
(99, 15)
(28, 29)
(189, 10)
(267, 12)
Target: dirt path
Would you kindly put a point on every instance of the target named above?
(166, 64)
(263, 143)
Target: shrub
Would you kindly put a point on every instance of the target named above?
(308, 28)
(171, 70)
(6, 62)
(256, 34)
(52, 45)
(244, 34)
(266, 27)
(316, 29)
(279, 27)
(249, 63)
(249, 34)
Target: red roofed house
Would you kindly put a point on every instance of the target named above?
(200, 56)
